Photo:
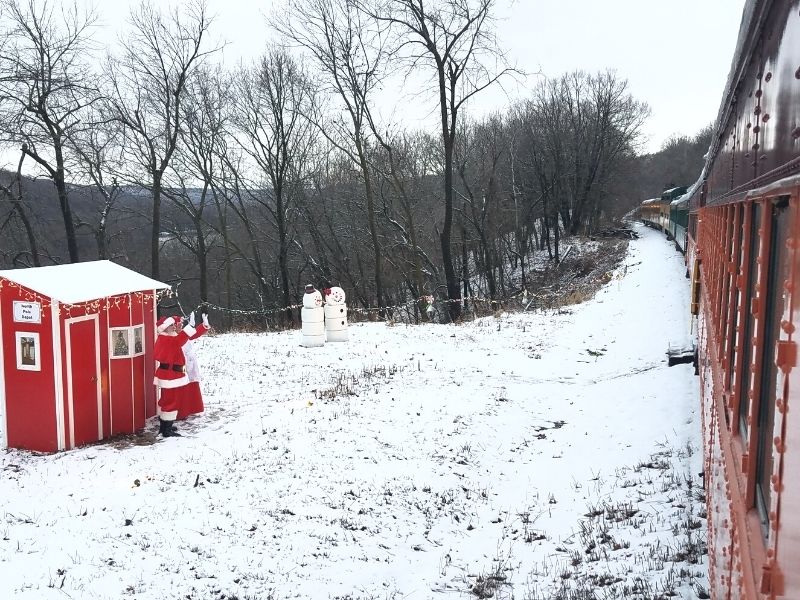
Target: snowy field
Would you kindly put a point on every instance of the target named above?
(530, 456)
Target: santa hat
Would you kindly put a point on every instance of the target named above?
(164, 323)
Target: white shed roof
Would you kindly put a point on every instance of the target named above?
(82, 282)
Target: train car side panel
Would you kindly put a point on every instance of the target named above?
(787, 425)
(748, 269)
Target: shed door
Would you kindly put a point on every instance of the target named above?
(83, 380)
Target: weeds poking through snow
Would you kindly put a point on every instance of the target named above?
(646, 549)
(347, 383)
(491, 583)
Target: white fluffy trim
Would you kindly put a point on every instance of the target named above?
(168, 322)
(167, 384)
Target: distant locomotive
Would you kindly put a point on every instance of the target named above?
(743, 247)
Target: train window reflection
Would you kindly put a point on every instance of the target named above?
(751, 280)
(769, 371)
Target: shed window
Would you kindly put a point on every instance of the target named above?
(127, 341)
(28, 352)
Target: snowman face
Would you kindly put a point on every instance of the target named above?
(312, 300)
(335, 296)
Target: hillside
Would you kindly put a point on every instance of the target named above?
(531, 455)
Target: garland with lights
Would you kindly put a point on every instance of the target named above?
(86, 308)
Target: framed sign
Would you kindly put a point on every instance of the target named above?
(127, 342)
(27, 312)
(28, 351)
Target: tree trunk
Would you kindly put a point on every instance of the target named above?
(16, 202)
(156, 230)
(202, 260)
(464, 267)
(453, 305)
(66, 211)
(556, 237)
(373, 229)
(283, 254)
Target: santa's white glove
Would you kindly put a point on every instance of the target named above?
(205, 320)
(191, 319)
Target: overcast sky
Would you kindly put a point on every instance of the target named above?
(675, 54)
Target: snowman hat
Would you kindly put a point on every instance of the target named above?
(164, 323)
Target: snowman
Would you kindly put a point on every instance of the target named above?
(335, 315)
(313, 318)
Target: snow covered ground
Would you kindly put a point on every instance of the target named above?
(527, 456)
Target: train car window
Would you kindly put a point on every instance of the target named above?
(751, 280)
(733, 310)
(726, 330)
(726, 279)
(769, 370)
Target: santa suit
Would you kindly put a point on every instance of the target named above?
(170, 375)
(191, 399)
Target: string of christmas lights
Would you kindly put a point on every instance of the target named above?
(125, 300)
(84, 308)
(426, 300)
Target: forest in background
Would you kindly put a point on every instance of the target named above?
(238, 187)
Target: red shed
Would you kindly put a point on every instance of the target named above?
(76, 354)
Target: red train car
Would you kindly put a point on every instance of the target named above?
(745, 251)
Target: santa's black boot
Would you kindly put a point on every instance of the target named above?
(166, 429)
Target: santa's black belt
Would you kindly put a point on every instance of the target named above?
(178, 368)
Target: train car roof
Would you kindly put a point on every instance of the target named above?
(753, 15)
(673, 190)
(684, 199)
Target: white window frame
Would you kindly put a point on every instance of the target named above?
(130, 336)
(37, 351)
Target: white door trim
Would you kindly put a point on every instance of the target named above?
(58, 374)
(3, 421)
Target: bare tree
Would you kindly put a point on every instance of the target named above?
(546, 159)
(582, 128)
(479, 156)
(605, 124)
(200, 159)
(455, 39)
(350, 53)
(97, 151)
(407, 163)
(46, 88)
(18, 210)
(148, 89)
(274, 97)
